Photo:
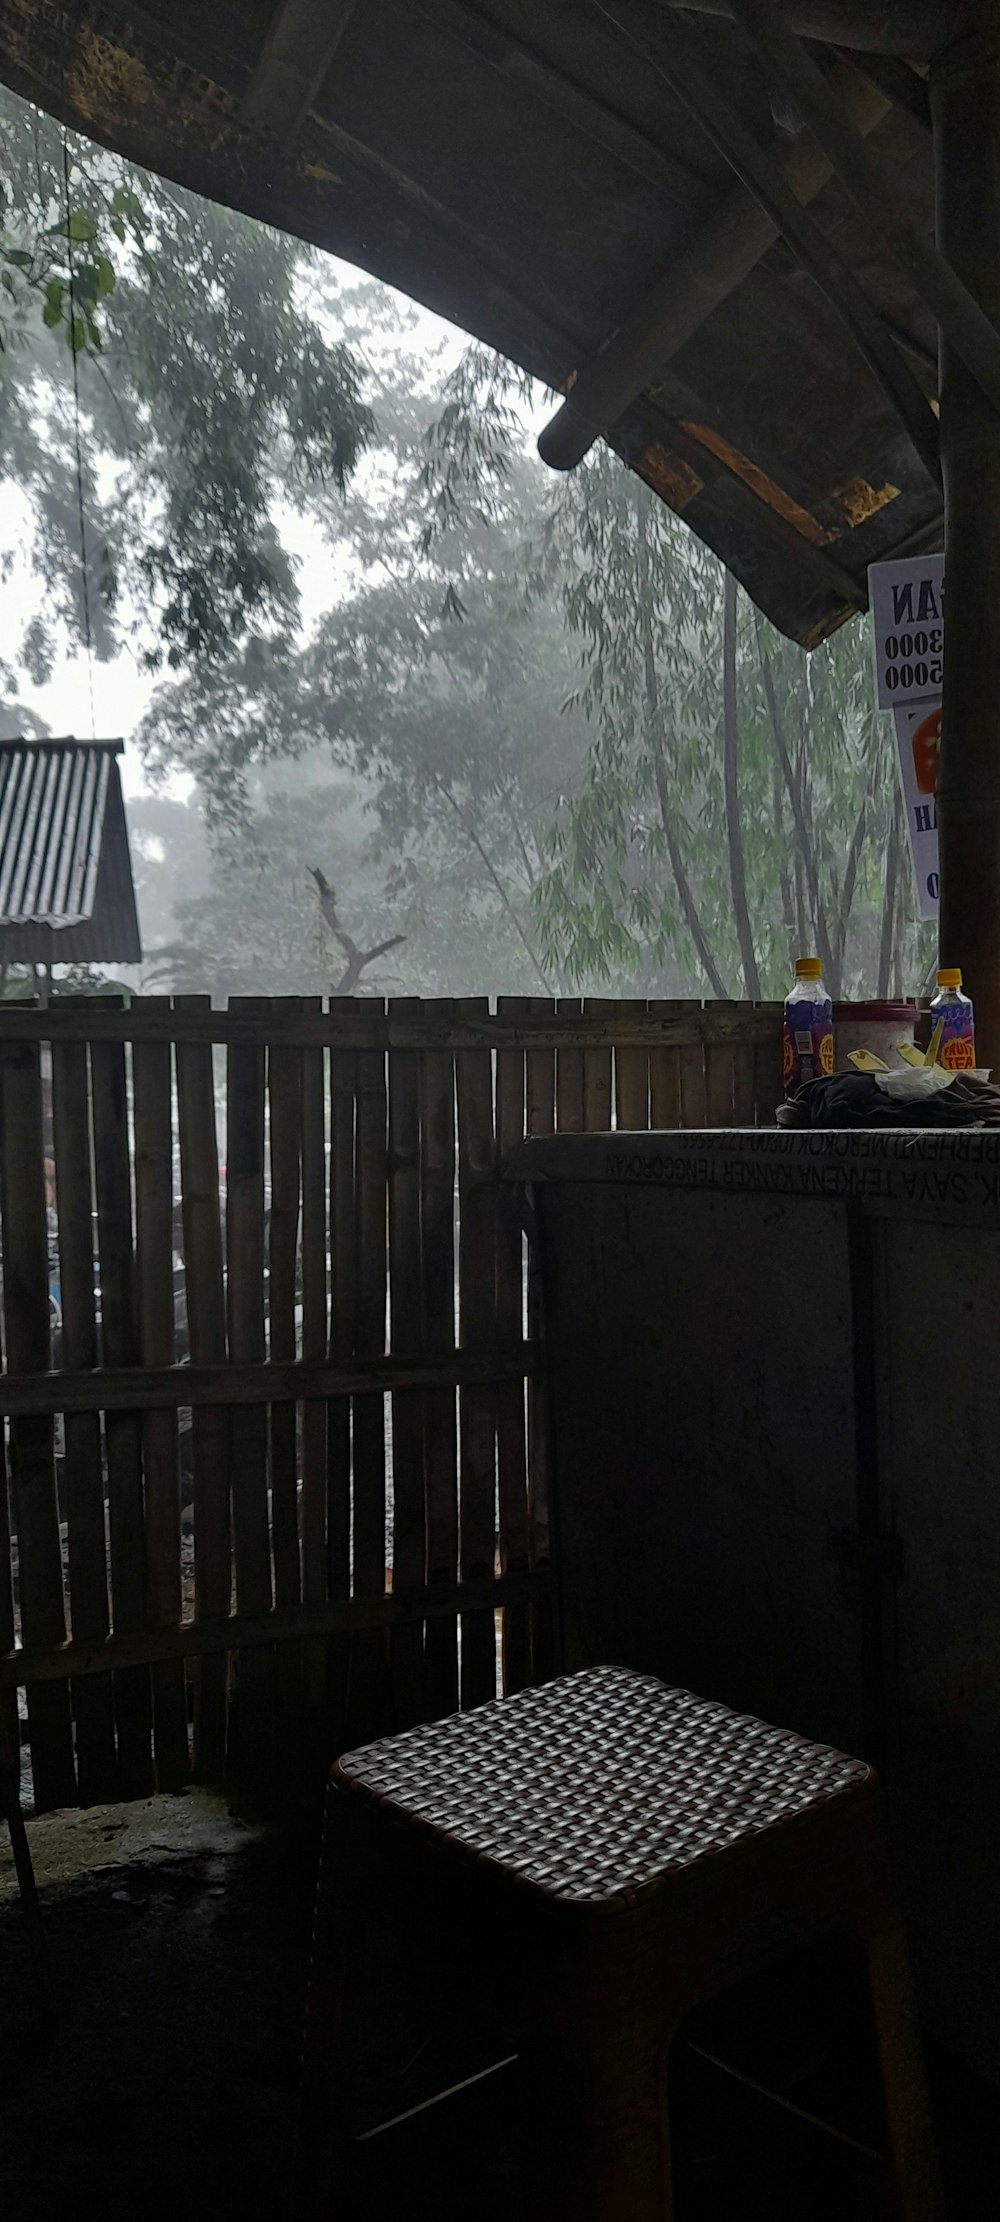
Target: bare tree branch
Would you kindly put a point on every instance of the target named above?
(357, 959)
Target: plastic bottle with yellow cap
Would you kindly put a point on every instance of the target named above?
(957, 1047)
(808, 1048)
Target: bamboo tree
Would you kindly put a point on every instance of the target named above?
(734, 834)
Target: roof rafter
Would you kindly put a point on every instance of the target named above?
(963, 323)
(524, 66)
(760, 515)
(900, 83)
(680, 66)
(728, 247)
(297, 52)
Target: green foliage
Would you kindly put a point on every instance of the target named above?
(258, 927)
(507, 736)
(42, 231)
(206, 390)
(20, 983)
(452, 724)
(640, 859)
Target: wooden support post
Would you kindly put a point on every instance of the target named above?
(965, 101)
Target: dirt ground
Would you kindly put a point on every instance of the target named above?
(159, 2076)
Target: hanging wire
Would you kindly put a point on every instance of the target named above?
(85, 574)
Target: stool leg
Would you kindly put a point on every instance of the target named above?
(594, 2061)
(911, 2143)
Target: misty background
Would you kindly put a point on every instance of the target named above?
(404, 712)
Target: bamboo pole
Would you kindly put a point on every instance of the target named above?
(721, 255)
(93, 1711)
(871, 186)
(477, 1249)
(153, 1117)
(409, 1520)
(965, 102)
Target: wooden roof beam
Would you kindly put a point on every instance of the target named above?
(900, 83)
(572, 431)
(297, 52)
(520, 64)
(963, 323)
(724, 252)
(915, 29)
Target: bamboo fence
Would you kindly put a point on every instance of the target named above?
(367, 1539)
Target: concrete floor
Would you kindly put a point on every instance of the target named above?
(158, 2076)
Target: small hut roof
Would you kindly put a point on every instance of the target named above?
(66, 891)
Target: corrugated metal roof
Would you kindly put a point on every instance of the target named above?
(66, 887)
(52, 805)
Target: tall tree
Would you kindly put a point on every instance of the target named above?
(432, 678)
(738, 796)
(204, 385)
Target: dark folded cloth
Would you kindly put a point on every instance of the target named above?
(855, 1099)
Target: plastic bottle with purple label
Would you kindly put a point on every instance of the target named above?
(957, 1047)
(808, 1050)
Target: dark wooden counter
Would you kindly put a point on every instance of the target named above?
(774, 1378)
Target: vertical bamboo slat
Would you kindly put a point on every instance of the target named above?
(283, 1078)
(369, 1650)
(257, 1753)
(477, 1194)
(437, 1206)
(122, 1430)
(512, 1464)
(26, 1332)
(206, 1310)
(768, 1073)
(631, 1080)
(10, 1727)
(597, 1073)
(343, 1328)
(744, 1090)
(93, 1710)
(694, 1090)
(409, 1541)
(569, 1075)
(282, 1251)
(312, 1137)
(152, 1113)
(720, 1072)
(540, 1095)
(665, 1101)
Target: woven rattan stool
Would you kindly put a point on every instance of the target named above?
(631, 1851)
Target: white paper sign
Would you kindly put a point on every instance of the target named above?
(907, 602)
(918, 734)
